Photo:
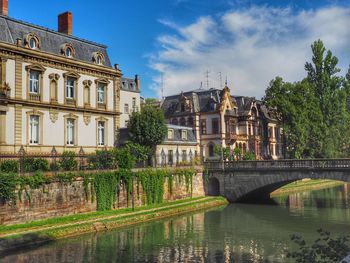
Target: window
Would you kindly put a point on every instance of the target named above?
(184, 155)
(70, 133)
(34, 129)
(170, 157)
(101, 93)
(183, 108)
(211, 150)
(183, 121)
(98, 58)
(134, 104)
(203, 127)
(170, 134)
(68, 52)
(34, 85)
(174, 122)
(215, 126)
(33, 43)
(70, 88)
(126, 108)
(184, 135)
(190, 121)
(101, 133)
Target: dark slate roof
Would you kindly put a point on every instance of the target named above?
(201, 101)
(244, 104)
(129, 84)
(191, 136)
(51, 41)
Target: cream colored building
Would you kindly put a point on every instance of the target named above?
(56, 89)
(130, 99)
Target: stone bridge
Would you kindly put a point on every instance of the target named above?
(253, 181)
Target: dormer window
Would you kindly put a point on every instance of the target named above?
(170, 134)
(68, 50)
(32, 41)
(184, 135)
(98, 58)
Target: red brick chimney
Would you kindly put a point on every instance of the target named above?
(4, 7)
(65, 23)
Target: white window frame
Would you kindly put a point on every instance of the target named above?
(101, 133)
(170, 134)
(70, 132)
(101, 93)
(34, 129)
(70, 89)
(184, 135)
(126, 108)
(34, 83)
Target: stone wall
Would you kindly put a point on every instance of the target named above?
(59, 199)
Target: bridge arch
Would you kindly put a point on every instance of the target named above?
(248, 180)
(213, 187)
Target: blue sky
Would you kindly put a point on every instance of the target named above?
(249, 42)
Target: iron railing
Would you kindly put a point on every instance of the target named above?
(279, 164)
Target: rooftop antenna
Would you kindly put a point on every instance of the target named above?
(207, 78)
(220, 79)
(201, 87)
(226, 82)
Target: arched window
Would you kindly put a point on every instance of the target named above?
(174, 121)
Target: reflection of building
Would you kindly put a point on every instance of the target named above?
(55, 89)
(227, 121)
(129, 99)
(179, 147)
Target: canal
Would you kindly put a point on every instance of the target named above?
(236, 233)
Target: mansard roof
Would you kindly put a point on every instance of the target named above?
(50, 41)
(129, 84)
(201, 103)
(191, 137)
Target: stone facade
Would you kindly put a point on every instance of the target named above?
(221, 119)
(55, 90)
(59, 199)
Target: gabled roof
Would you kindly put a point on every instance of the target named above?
(51, 41)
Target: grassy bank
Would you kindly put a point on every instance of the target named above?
(15, 236)
(301, 186)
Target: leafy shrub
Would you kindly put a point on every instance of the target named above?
(249, 156)
(124, 158)
(324, 250)
(140, 152)
(68, 161)
(7, 186)
(101, 160)
(35, 164)
(9, 166)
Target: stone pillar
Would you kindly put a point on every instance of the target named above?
(18, 125)
(18, 77)
(116, 120)
(2, 127)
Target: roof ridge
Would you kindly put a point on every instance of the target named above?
(51, 31)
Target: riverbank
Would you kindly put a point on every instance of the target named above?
(305, 185)
(23, 235)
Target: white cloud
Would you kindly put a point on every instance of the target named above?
(250, 47)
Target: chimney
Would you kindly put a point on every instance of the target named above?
(65, 23)
(137, 81)
(4, 7)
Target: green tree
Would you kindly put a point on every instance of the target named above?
(315, 110)
(147, 127)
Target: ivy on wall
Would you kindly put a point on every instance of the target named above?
(104, 187)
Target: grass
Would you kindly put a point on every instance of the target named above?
(105, 216)
(306, 185)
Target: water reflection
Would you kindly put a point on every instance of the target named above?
(237, 233)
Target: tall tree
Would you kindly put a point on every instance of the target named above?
(147, 127)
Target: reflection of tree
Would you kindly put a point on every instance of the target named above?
(238, 233)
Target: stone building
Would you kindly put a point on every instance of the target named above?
(130, 99)
(218, 118)
(179, 147)
(55, 89)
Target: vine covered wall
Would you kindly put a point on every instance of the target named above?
(37, 197)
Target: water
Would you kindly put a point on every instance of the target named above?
(236, 233)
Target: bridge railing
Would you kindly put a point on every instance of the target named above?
(279, 164)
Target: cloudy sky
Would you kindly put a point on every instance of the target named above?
(248, 42)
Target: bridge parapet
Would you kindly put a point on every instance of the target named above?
(314, 164)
